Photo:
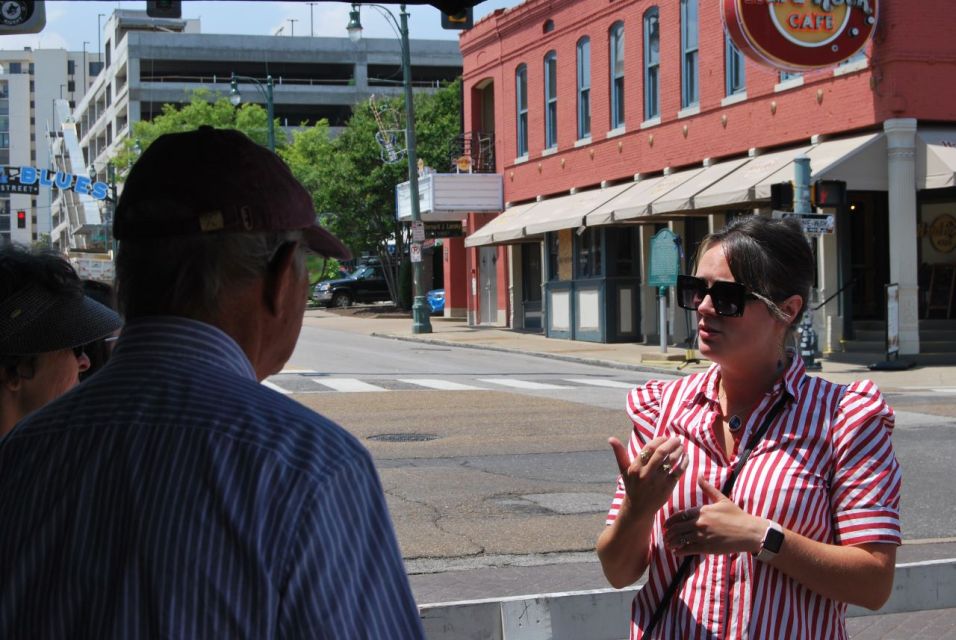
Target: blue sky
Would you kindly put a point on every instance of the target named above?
(69, 24)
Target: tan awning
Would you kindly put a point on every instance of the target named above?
(682, 198)
(636, 202)
(935, 158)
(860, 161)
(739, 187)
(568, 212)
(507, 225)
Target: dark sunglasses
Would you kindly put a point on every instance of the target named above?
(728, 298)
(78, 351)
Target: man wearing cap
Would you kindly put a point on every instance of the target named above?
(172, 495)
(45, 319)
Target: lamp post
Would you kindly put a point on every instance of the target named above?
(99, 39)
(235, 98)
(420, 320)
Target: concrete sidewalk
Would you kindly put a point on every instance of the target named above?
(511, 581)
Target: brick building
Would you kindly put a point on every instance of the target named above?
(613, 120)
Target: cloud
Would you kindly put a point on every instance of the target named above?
(46, 39)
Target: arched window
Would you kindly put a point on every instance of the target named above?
(689, 88)
(550, 100)
(584, 88)
(616, 57)
(548, 26)
(521, 108)
(652, 64)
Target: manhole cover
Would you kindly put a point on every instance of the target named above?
(404, 437)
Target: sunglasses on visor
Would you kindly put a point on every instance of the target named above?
(728, 298)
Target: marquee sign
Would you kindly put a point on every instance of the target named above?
(797, 35)
(30, 179)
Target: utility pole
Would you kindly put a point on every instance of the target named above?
(292, 22)
(99, 40)
(311, 20)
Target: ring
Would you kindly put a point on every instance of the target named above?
(666, 467)
(644, 455)
(682, 541)
(686, 516)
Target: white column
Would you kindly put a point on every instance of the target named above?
(901, 156)
(828, 319)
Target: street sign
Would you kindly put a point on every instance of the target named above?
(665, 259)
(418, 231)
(813, 224)
(415, 252)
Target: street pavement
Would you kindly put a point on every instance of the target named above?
(540, 574)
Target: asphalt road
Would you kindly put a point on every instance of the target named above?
(498, 483)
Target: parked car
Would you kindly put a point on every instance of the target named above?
(436, 300)
(366, 284)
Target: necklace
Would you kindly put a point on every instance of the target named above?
(734, 423)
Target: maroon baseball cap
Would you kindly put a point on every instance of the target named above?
(216, 180)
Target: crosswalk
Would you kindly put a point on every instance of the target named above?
(290, 382)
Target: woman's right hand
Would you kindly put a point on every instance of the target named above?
(650, 479)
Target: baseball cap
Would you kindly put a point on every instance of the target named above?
(37, 320)
(216, 180)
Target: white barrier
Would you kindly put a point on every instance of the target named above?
(603, 614)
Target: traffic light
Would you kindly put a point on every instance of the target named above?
(829, 193)
(781, 196)
(164, 8)
(22, 16)
(461, 20)
(21, 219)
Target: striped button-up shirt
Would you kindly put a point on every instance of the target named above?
(824, 469)
(173, 496)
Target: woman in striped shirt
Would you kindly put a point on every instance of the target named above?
(812, 521)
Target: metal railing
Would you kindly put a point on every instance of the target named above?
(477, 146)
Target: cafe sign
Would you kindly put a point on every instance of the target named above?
(797, 35)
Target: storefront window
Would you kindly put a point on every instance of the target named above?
(552, 256)
(589, 254)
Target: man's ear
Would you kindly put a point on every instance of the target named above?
(280, 277)
(11, 381)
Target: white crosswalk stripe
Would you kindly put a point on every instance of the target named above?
(276, 387)
(347, 385)
(443, 385)
(522, 384)
(602, 382)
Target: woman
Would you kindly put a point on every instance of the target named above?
(812, 521)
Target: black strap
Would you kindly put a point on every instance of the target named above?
(728, 485)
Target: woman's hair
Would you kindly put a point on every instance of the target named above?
(98, 351)
(190, 276)
(772, 257)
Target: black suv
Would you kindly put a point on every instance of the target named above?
(366, 284)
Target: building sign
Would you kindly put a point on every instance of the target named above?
(813, 224)
(795, 35)
(450, 229)
(30, 179)
(942, 233)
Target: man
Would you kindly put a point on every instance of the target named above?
(44, 322)
(173, 495)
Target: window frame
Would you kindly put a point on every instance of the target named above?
(690, 55)
(735, 69)
(583, 55)
(551, 100)
(652, 68)
(521, 112)
(617, 74)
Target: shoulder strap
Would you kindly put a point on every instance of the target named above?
(726, 489)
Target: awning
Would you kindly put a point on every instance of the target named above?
(682, 198)
(860, 161)
(508, 225)
(636, 202)
(935, 158)
(740, 186)
(569, 212)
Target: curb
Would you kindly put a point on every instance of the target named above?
(604, 614)
(540, 354)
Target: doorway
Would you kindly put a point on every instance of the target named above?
(531, 286)
(488, 275)
(869, 248)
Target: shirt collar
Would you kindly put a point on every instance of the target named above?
(788, 382)
(181, 339)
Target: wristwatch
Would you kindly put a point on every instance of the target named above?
(771, 543)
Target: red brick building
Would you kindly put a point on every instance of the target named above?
(613, 120)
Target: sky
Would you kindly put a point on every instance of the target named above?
(69, 24)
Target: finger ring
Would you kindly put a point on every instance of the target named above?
(666, 467)
(682, 541)
(644, 455)
(686, 516)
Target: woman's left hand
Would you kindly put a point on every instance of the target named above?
(716, 528)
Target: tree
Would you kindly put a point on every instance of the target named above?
(204, 108)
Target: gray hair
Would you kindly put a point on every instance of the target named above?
(190, 276)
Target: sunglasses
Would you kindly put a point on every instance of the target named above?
(78, 351)
(728, 298)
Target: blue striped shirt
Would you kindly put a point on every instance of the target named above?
(173, 496)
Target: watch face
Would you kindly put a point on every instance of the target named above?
(773, 540)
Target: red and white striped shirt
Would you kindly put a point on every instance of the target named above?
(824, 469)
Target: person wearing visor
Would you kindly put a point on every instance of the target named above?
(172, 495)
(45, 321)
(753, 489)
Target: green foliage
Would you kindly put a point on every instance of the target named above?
(204, 108)
(321, 269)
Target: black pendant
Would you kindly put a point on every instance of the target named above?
(734, 423)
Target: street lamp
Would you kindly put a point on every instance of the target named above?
(420, 320)
(236, 98)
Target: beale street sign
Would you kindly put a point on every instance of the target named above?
(797, 35)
